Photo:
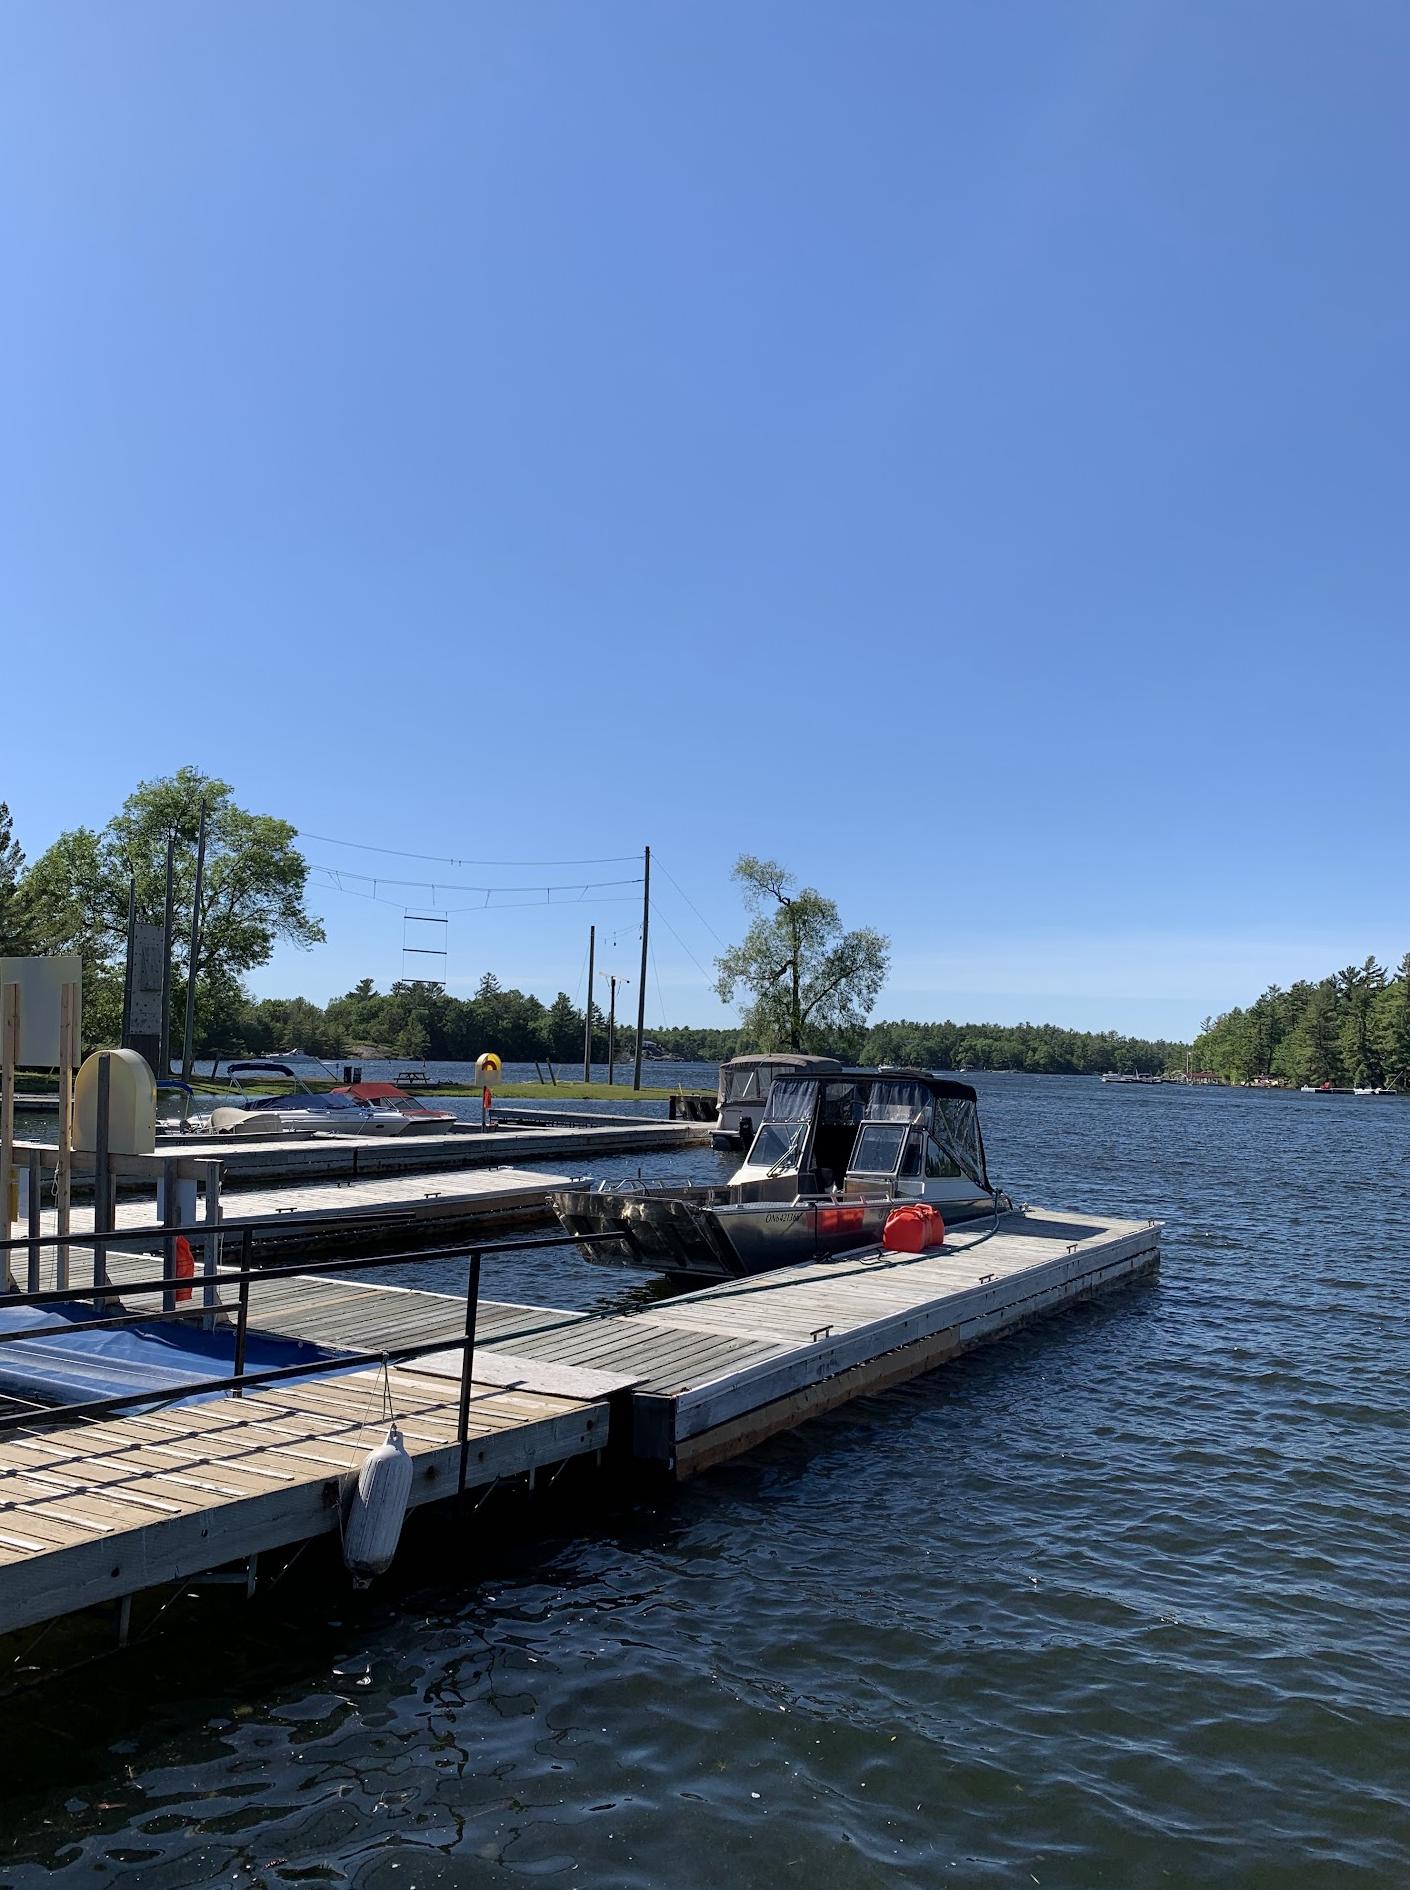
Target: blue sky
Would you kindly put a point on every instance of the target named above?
(957, 449)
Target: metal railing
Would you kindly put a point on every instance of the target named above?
(242, 1278)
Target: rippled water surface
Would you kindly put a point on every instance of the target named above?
(1121, 1600)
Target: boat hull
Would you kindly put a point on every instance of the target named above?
(693, 1232)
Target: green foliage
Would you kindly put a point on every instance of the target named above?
(1352, 1029)
(75, 895)
(1042, 1049)
(14, 923)
(810, 981)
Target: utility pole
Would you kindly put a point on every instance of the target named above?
(164, 1048)
(641, 986)
(130, 972)
(189, 1032)
(587, 1026)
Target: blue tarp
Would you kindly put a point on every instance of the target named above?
(76, 1366)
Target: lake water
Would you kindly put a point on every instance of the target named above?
(1122, 1600)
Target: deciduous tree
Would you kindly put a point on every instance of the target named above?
(809, 980)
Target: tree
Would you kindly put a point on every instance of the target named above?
(810, 980)
(252, 891)
(14, 930)
(1392, 1026)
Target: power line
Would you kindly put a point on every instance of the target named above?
(681, 942)
(504, 905)
(688, 900)
(444, 859)
(441, 885)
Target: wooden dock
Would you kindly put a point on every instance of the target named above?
(102, 1509)
(169, 1494)
(312, 1217)
(363, 1157)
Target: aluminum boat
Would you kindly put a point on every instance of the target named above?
(834, 1154)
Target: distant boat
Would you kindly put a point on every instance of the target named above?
(388, 1096)
(300, 1110)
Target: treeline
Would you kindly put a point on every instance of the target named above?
(420, 1021)
(1044, 1049)
(1352, 1028)
(415, 1021)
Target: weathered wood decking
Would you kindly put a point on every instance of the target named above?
(102, 1510)
(692, 1381)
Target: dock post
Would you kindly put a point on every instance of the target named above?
(36, 1212)
(173, 1215)
(102, 1187)
(467, 1365)
(210, 1173)
(242, 1315)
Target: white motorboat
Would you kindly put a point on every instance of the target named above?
(745, 1083)
(299, 1110)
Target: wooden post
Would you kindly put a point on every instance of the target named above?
(587, 1027)
(63, 1170)
(9, 1059)
(641, 989)
(189, 1032)
(611, 1025)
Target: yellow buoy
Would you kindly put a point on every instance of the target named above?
(489, 1069)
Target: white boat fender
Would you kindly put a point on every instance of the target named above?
(377, 1509)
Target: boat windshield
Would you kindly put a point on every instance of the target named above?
(747, 1085)
(779, 1145)
(878, 1148)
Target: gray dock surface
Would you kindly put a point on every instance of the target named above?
(684, 1384)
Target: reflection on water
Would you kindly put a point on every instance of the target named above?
(1118, 1601)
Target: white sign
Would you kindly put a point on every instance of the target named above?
(40, 981)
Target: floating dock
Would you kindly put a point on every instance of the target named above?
(364, 1157)
(312, 1217)
(133, 1502)
(101, 1509)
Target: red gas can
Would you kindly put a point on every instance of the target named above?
(915, 1228)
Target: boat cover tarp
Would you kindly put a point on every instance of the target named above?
(76, 1366)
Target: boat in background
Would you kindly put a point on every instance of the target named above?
(388, 1096)
(745, 1083)
(835, 1153)
(300, 1111)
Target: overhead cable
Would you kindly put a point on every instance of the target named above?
(444, 859)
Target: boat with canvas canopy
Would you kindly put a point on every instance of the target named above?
(745, 1083)
(836, 1152)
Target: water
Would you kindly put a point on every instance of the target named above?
(1119, 1601)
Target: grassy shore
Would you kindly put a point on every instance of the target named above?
(504, 1092)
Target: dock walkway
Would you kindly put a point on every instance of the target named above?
(440, 1205)
(108, 1507)
(168, 1494)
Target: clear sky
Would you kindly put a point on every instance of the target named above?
(959, 449)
